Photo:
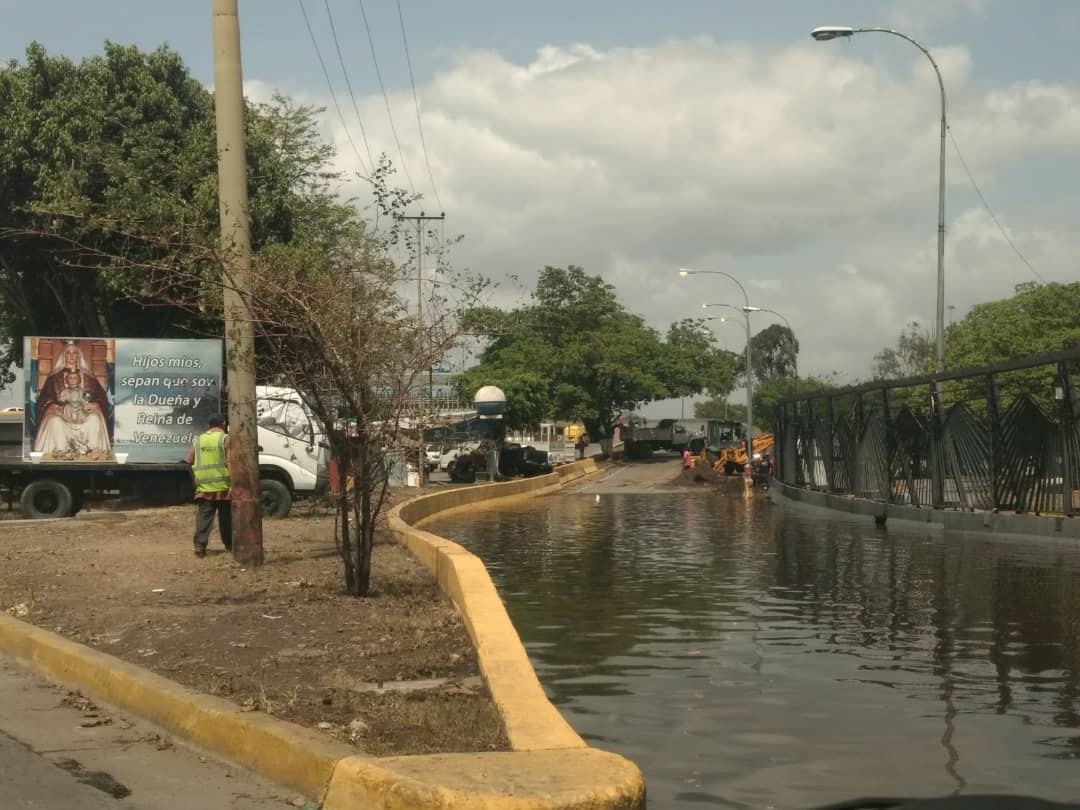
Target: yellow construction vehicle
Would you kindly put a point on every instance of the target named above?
(732, 459)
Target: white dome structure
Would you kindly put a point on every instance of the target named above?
(490, 401)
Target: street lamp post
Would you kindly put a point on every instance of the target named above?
(828, 32)
(684, 272)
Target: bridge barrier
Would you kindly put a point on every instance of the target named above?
(1000, 438)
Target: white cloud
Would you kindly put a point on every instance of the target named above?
(808, 172)
(921, 17)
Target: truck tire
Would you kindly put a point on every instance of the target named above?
(275, 499)
(46, 498)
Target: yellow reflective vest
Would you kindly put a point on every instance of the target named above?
(211, 468)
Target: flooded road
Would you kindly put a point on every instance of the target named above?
(752, 655)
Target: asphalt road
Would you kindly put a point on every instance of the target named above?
(60, 751)
(654, 474)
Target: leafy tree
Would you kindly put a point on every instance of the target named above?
(912, 356)
(121, 145)
(689, 343)
(768, 394)
(1039, 318)
(575, 353)
(720, 408)
(773, 353)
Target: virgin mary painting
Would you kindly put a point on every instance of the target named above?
(71, 410)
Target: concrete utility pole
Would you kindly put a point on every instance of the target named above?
(421, 458)
(236, 244)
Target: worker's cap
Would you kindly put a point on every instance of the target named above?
(217, 420)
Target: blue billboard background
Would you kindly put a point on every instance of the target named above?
(165, 391)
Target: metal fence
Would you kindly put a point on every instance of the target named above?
(1003, 437)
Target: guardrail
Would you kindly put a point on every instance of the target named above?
(1000, 437)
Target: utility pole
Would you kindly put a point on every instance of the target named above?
(236, 245)
(421, 458)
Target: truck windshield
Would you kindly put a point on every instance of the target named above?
(285, 416)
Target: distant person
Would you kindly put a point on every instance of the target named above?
(209, 462)
(748, 479)
(580, 445)
(687, 459)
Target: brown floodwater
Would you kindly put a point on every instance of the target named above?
(779, 657)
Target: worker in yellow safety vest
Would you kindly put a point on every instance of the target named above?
(209, 460)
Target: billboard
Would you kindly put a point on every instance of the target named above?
(88, 399)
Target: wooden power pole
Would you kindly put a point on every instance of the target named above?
(236, 245)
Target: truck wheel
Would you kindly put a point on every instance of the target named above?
(274, 498)
(46, 498)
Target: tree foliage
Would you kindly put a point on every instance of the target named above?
(720, 408)
(912, 356)
(575, 353)
(768, 394)
(1039, 318)
(773, 353)
(100, 152)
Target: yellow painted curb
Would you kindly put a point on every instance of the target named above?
(540, 780)
(532, 722)
(548, 752)
(285, 752)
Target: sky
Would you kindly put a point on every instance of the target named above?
(635, 138)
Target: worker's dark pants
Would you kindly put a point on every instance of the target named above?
(204, 522)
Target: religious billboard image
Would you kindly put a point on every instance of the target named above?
(99, 399)
(69, 409)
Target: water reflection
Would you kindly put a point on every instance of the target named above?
(756, 657)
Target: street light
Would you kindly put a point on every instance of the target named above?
(828, 32)
(684, 272)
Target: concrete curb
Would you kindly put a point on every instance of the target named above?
(994, 523)
(532, 722)
(550, 768)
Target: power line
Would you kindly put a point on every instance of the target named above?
(348, 84)
(416, 103)
(330, 86)
(986, 205)
(386, 98)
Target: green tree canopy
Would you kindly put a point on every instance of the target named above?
(1039, 318)
(773, 353)
(576, 353)
(100, 153)
(912, 356)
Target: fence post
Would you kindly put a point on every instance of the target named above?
(856, 461)
(937, 460)
(1066, 414)
(993, 419)
(830, 460)
(886, 421)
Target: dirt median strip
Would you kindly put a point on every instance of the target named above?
(550, 769)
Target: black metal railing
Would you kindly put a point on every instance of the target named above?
(1003, 437)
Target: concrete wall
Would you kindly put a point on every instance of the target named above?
(992, 522)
